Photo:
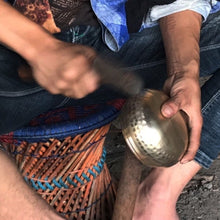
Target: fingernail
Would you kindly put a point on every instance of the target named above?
(167, 111)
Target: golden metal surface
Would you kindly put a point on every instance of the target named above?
(155, 140)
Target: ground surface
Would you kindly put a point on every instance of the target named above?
(199, 200)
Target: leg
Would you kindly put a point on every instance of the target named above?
(160, 191)
(20, 101)
(20, 204)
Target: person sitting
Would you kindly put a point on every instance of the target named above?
(168, 45)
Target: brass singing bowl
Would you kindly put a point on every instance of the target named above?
(155, 140)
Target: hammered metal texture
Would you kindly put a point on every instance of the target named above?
(154, 139)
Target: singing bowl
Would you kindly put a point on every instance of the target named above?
(155, 140)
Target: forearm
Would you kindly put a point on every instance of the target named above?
(181, 33)
(17, 200)
(20, 34)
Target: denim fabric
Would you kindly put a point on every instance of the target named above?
(112, 15)
(143, 54)
(19, 101)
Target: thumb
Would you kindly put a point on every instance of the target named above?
(169, 108)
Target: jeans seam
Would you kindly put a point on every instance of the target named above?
(210, 47)
(64, 101)
(21, 93)
(209, 103)
(203, 159)
(155, 63)
(146, 65)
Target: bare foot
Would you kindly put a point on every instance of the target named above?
(158, 193)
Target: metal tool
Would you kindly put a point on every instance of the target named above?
(125, 81)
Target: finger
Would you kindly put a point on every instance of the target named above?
(91, 81)
(170, 108)
(47, 85)
(168, 84)
(75, 69)
(85, 85)
(88, 52)
(194, 139)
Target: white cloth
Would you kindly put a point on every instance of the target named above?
(202, 7)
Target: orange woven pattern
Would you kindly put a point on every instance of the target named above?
(71, 175)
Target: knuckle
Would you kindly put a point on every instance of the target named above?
(81, 60)
(190, 155)
(74, 94)
(54, 91)
(92, 86)
(79, 95)
(178, 99)
(61, 85)
(69, 75)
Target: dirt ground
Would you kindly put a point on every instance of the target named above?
(199, 200)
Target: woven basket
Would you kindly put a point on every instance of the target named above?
(63, 159)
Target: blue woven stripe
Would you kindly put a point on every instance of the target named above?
(85, 177)
(71, 182)
(34, 185)
(97, 169)
(44, 184)
(49, 186)
(41, 185)
(63, 184)
(92, 173)
(56, 183)
(100, 165)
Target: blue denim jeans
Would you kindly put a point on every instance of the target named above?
(143, 54)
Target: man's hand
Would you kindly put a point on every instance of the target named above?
(185, 96)
(181, 33)
(61, 68)
(66, 69)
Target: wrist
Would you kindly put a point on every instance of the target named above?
(36, 46)
(189, 69)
